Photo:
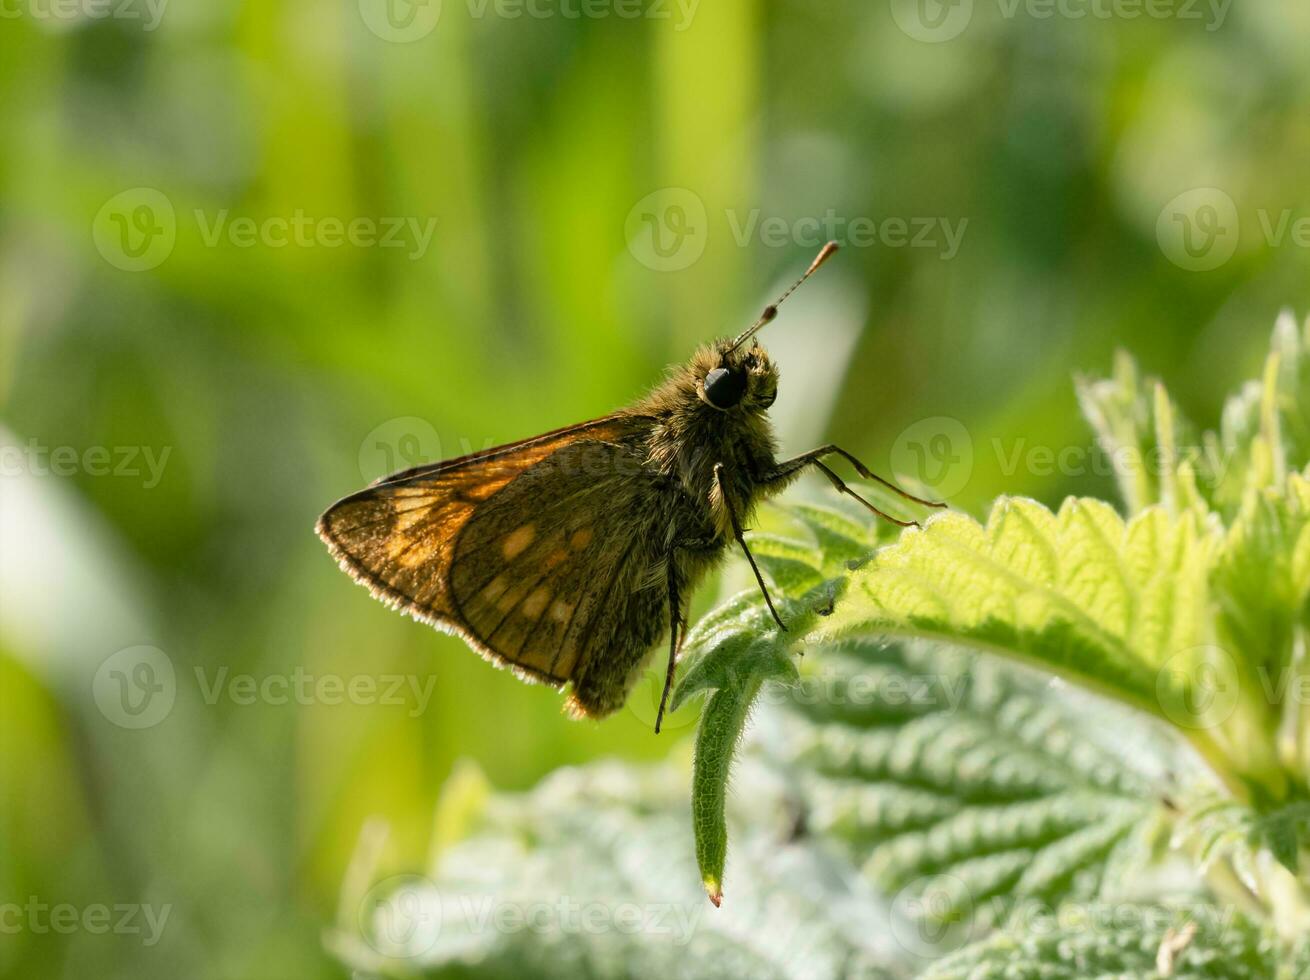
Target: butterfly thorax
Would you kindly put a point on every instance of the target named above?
(690, 436)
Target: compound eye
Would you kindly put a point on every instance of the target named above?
(724, 388)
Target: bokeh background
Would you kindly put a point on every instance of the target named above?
(254, 255)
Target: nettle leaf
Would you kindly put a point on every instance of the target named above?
(1143, 434)
(962, 788)
(588, 875)
(1122, 608)
(1114, 941)
(1216, 828)
(1159, 458)
(1262, 577)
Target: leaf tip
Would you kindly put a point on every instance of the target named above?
(714, 889)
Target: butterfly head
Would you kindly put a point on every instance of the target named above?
(729, 380)
(732, 376)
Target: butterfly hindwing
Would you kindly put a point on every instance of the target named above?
(538, 554)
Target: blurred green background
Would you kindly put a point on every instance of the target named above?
(255, 255)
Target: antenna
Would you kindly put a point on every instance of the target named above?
(771, 310)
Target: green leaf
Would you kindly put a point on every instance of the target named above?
(1133, 423)
(588, 875)
(1262, 575)
(1123, 608)
(1217, 827)
(960, 787)
(1159, 458)
(1109, 942)
(720, 730)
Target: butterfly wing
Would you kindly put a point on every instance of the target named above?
(538, 554)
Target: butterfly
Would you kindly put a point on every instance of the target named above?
(564, 557)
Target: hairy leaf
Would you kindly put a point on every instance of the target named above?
(959, 787)
(1110, 942)
(1123, 608)
(1159, 458)
(588, 875)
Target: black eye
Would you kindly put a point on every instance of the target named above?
(724, 388)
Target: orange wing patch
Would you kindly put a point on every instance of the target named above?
(501, 547)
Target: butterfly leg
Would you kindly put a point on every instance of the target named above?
(789, 468)
(741, 540)
(843, 488)
(675, 625)
(786, 471)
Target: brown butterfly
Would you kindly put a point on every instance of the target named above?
(563, 556)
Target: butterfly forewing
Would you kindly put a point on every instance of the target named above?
(537, 553)
(533, 564)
